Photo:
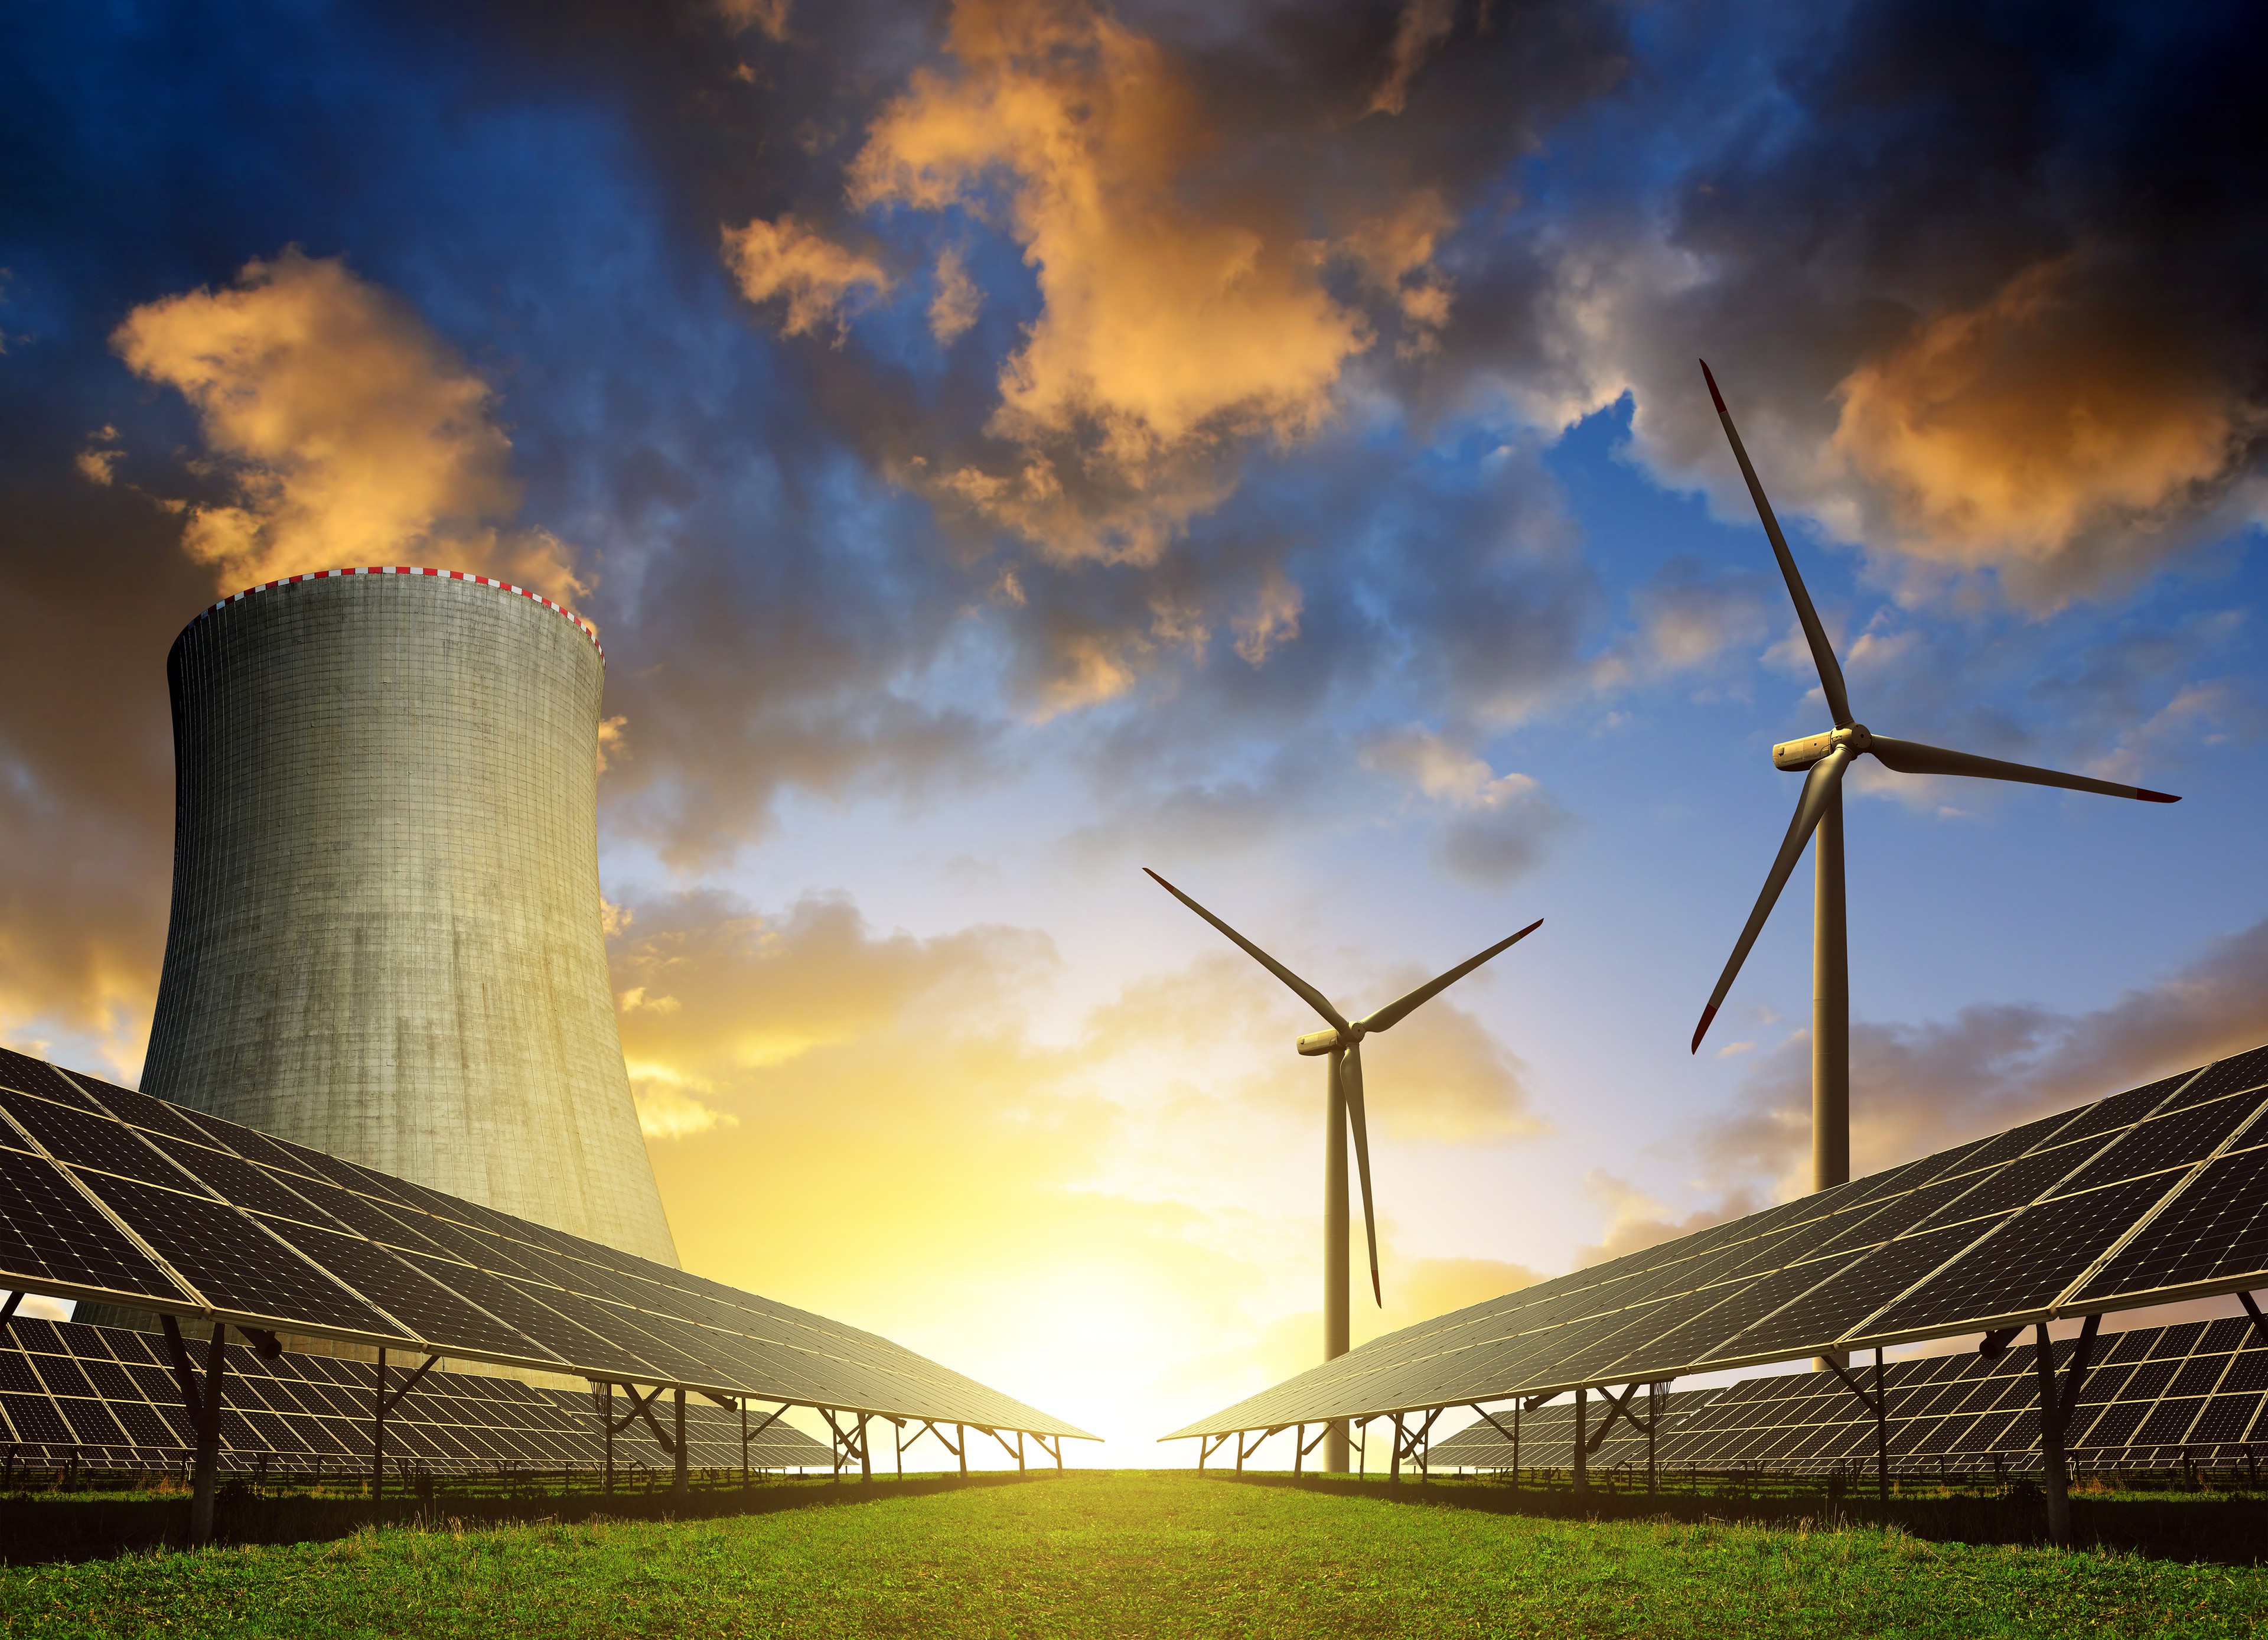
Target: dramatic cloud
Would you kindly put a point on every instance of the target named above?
(346, 431)
(1167, 333)
(1984, 293)
(816, 278)
(2053, 422)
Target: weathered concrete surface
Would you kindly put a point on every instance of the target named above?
(386, 939)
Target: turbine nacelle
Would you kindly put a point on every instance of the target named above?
(1796, 756)
(1317, 1042)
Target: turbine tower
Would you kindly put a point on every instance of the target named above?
(1822, 759)
(1343, 1113)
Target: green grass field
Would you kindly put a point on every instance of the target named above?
(1130, 1554)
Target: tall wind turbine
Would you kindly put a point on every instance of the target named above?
(1822, 759)
(1343, 1043)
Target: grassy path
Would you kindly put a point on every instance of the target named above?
(1130, 1554)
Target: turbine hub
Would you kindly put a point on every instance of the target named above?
(1796, 756)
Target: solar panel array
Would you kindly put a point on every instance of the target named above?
(2151, 1195)
(105, 1396)
(110, 1196)
(2153, 1398)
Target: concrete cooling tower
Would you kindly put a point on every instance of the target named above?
(386, 938)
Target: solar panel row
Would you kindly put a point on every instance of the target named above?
(110, 1196)
(2143, 1198)
(2152, 1398)
(106, 1395)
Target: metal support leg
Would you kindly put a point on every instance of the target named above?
(1653, 1425)
(1582, 1481)
(2051, 1472)
(962, 1430)
(677, 1482)
(201, 1498)
(607, 1417)
(865, 1451)
(1395, 1475)
(1882, 1433)
(378, 1436)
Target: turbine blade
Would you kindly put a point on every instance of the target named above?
(1823, 652)
(1351, 1084)
(1394, 1013)
(1911, 758)
(1818, 786)
(1305, 992)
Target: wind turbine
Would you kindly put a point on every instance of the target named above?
(1822, 759)
(1343, 1043)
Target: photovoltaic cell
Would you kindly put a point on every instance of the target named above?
(431, 1312)
(52, 1240)
(238, 1267)
(234, 1179)
(30, 1075)
(2166, 1142)
(2216, 1230)
(73, 1134)
(2026, 1265)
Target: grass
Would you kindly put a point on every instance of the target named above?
(1133, 1554)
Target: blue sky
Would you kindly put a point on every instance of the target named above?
(1004, 446)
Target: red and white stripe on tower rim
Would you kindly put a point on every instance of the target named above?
(560, 610)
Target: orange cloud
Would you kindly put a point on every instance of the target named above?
(1170, 331)
(349, 431)
(817, 278)
(954, 307)
(2047, 430)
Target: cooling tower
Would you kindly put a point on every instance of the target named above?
(386, 939)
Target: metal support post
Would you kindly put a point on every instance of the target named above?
(606, 1420)
(204, 1404)
(1019, 1451)
(742, 1402)
(2056, 1408)
(677, 1482)
(1299, 1452)
(962, 1450)
(377, 1434)
(1395, 1475)
(1881, 1432)
(1653, 1424)
(865, 1452)
(1582, 1480)
(898, 1445)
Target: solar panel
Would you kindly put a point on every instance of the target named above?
(52, 1239)
(453, 1422)
(2136, 1198)
(272, 1235)
(1958, 1413)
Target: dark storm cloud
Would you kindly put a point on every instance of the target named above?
(1983, 282)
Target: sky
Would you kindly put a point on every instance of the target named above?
(1004, 444)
